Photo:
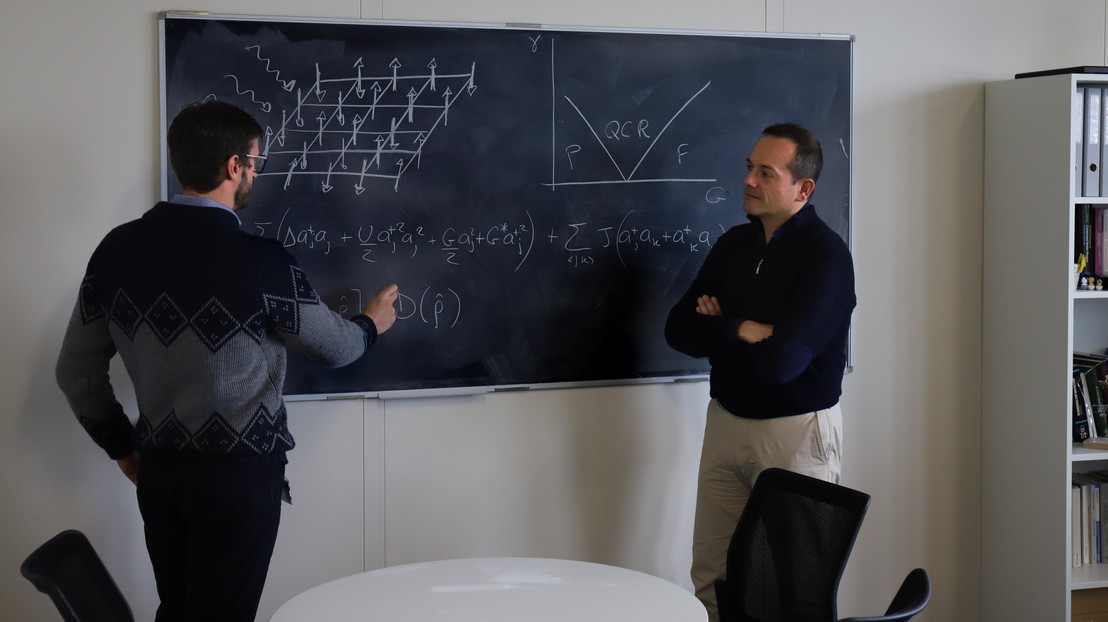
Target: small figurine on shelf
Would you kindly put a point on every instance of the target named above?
(1084, 284)
(1099, 284)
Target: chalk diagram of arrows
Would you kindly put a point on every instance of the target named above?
(624, 174)
(363, 126)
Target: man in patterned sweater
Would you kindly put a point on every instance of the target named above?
(201, 314)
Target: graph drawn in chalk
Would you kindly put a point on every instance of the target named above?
(365, 124)
(617, 168)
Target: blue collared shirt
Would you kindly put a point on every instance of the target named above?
(187, 199)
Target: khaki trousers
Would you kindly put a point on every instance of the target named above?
(735, 451)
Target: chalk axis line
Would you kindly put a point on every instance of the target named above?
(627, 178)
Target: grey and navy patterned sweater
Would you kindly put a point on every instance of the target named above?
(200, 313)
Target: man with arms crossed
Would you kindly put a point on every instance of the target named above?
(770, 308)
(201, 313)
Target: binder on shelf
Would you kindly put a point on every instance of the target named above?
(1103, 122)
(1091, 176)
(1078, 141)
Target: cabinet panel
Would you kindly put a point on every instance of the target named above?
(1029, 334)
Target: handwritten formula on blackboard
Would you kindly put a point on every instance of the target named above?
(541, 196)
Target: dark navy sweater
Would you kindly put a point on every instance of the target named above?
(201, 314)
(801, 282)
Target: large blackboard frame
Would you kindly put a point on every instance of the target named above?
(329, 38)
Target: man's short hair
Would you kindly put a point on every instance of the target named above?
(808, 161)
(203, 136)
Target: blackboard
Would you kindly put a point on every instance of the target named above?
(541, 195)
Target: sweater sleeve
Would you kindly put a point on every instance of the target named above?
(82, 375)
(815, 313)
(700, 335)
(302, 321)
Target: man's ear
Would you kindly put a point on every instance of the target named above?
(232, 168)
(805, 189)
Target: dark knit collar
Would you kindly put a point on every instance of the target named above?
(197, 214)
(797, 221)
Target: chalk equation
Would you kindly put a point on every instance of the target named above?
(583, 243)
(363, 124)
(437, 308)
(373, 123)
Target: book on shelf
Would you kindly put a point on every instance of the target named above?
(1090, 241)
(1094, 522)
(1100, 245)
(1094, 386)
(1083, 238)
(1097, 260)
(1090, 377)
(1088, 532)
(1102, 478)
(1075, 525)
(1080, 410)
(1096, 428)
(1101, 215)
(1090, 517)
(1097, 218)
(1087, 525)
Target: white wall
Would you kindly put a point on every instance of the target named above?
(78, 154)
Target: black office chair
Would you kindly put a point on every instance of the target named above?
(788, 552)
(910, 599)
(68, 570)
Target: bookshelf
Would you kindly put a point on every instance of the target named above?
(1033, 321)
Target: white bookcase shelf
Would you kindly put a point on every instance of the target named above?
(1080, 454)
(1089, 577)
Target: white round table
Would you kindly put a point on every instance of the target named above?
(499, 589)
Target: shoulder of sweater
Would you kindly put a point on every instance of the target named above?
(181, 215)
(814, 227)
(739, 231)
(186, 217)
(176, 218)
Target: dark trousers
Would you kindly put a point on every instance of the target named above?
(210, 528)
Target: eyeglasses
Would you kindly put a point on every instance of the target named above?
(259, 161)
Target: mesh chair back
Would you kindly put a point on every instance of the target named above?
(67, 569)
(789, 550)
